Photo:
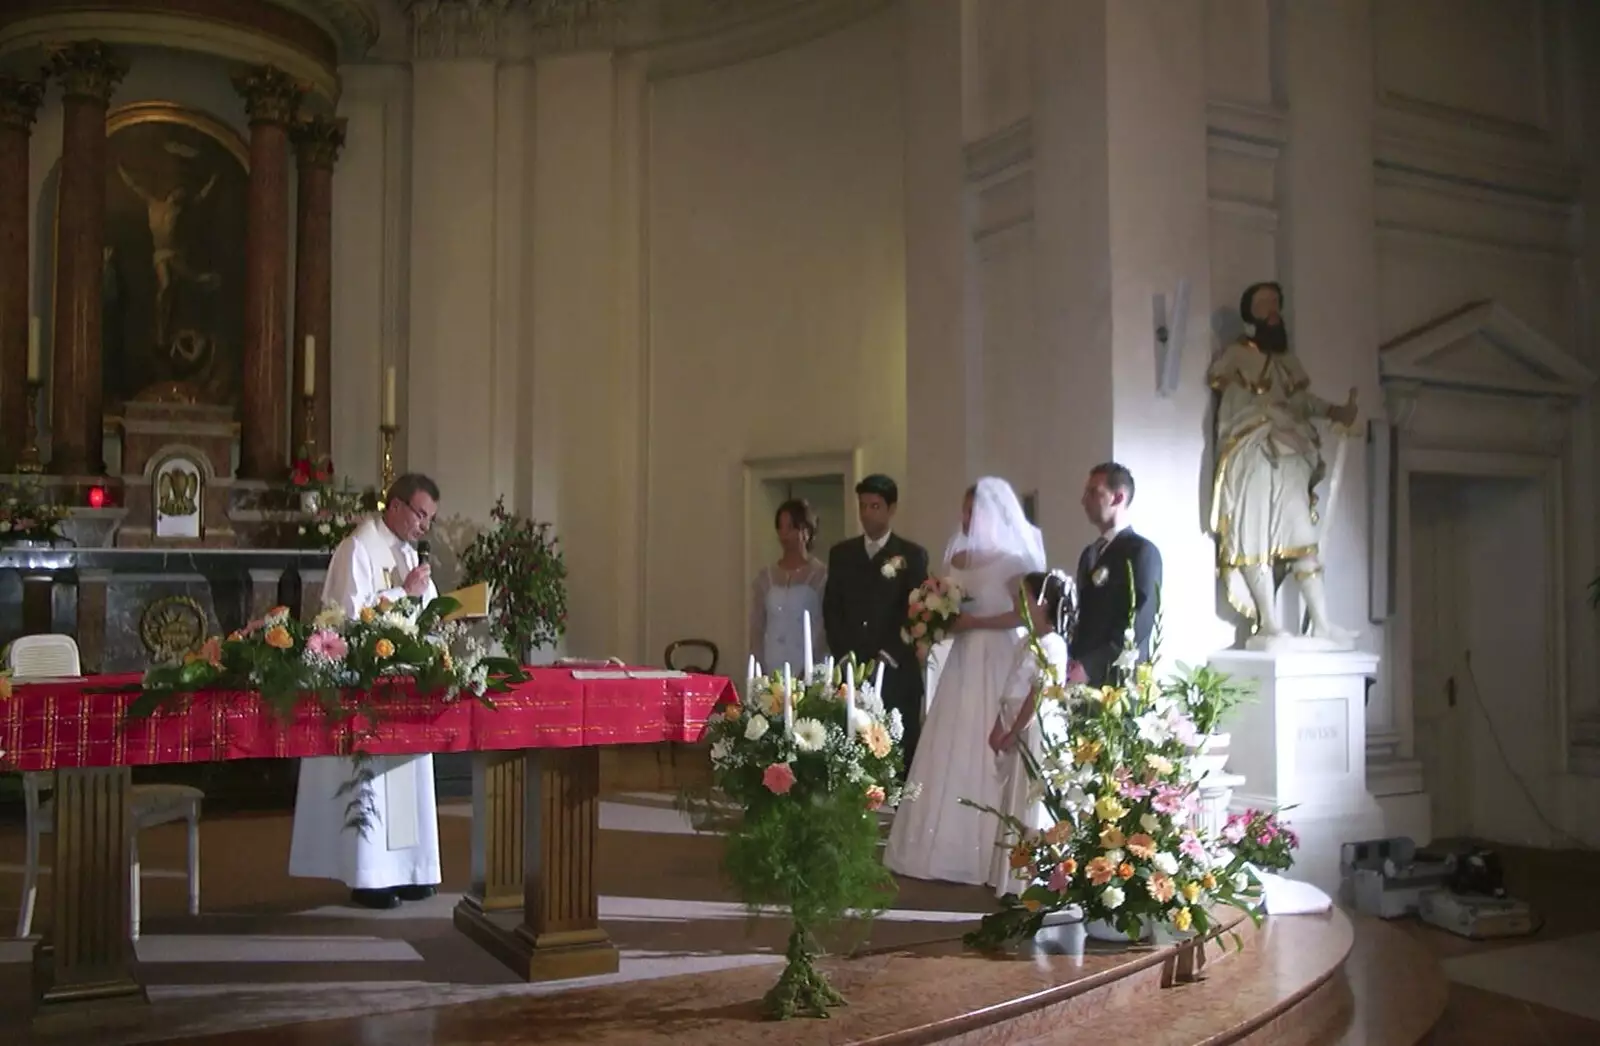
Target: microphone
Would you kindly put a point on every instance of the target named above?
(422, 553)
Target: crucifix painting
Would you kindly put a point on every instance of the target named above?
(173, 292)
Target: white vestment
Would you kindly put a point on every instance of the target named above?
(400, 846)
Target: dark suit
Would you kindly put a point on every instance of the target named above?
(862, 612)
(1104, 609)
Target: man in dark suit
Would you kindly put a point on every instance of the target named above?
(1106, 602)
(870, 580)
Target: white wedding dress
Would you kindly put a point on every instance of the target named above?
(935, 836)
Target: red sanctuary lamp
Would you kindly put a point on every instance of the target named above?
(97, 497)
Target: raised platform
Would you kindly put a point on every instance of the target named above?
(270, 956)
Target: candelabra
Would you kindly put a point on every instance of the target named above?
(388, 433)
(28, 459)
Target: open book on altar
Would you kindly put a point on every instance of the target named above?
(474, 600)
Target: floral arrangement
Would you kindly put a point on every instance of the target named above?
(285, 660)
(1205, 695)
(308, 473)
(338, 513)
(26, 515)
(527, 575)
(808, 762)
(334, 509)
(1122, 846)
(1262, 839)
(931, 610)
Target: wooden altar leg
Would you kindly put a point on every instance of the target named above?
(557, 935)
(86, 956)
(497, 831)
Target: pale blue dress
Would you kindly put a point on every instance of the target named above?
(777, 616)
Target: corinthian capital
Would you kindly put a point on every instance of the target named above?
(270, 94)
(87, 69)
(19, 102)
(318, 139)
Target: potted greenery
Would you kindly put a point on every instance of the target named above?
(521, 561)
(1206, 696)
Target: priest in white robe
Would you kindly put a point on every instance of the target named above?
(396, 857)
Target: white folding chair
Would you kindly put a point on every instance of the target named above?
(36, 658)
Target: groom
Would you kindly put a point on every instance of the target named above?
(1106, 600)
(870, 580)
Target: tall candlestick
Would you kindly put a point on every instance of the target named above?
(34, 357)
(311, 366)
(807, 674)
(388, 397)
(849, 696)
(788, 702)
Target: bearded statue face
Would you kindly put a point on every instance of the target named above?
(1266, 315)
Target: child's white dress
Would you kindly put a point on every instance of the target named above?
(1016, 785)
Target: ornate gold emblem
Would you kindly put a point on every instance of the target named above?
(178, 493)
(171, 627)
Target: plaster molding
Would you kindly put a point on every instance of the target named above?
(1484, 347)
(352, 24)
(680, 35)
(1000, 153)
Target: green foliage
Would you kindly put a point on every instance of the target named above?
(806, 835)
(28, 514)
(1207, 694)
(527, 574)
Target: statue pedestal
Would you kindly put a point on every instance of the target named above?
(1301, 741)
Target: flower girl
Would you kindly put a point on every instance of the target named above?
(1051, 604)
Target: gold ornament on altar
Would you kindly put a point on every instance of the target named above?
(171, 627)
(179, 493)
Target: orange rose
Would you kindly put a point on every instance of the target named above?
(5, 686)
(1021, 855)
(1125, 870)
(1069, 867)
(210, 652)
(1209, 881)
(383, 648)
(278, 613)
(368, 615)
(277, 636)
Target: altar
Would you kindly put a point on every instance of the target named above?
(533, 902)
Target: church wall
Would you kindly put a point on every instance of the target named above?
(775, 278)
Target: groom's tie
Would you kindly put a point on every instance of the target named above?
(1100, 544)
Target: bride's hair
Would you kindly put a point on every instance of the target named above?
(1058, 594)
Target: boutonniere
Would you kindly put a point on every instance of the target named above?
(893, 566)
(1099, 576)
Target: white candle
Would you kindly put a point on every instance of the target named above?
(388, 397)
(788, 704)
(849, 695)
(807, 673)
(877, 682)
(34, 360)
(311, 366)
(750, 677)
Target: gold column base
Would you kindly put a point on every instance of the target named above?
(534, 904)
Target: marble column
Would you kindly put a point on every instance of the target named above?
(19, 104)
(271, 99)
(317, 143)
(88, 72)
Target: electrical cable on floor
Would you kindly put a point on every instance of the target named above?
(1527, 793)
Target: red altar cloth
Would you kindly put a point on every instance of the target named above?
(48, 726)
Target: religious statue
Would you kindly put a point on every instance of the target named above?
(167, 255)
(1269, 464)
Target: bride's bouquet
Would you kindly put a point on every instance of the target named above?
(931, 611)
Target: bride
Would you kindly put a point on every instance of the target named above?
(936, 837)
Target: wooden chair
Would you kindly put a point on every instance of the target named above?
(37, 658)
(670, 658)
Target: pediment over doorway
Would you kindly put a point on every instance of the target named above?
(1484, 347)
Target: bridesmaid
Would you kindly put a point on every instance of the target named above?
(785, 591)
